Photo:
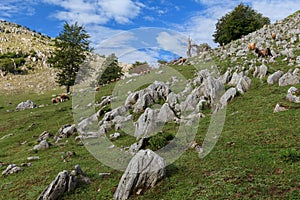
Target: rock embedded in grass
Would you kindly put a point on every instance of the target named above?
(11, 169)
(144, 171)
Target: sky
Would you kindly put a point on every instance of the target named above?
(125, 24)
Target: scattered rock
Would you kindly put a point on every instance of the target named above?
(147, 123)
(44, 136)
(144, 171)
(104, 175)
(64, 182)
(26, 164)
(12, 168)
(134, 148)
(293, 95)
(26, 105)
(6, 136)
(289, 79)
(279, 108)
(260, 71)
(274, 78)
(31, 158)
(44, 144)
(114, 136)
(65, 131)
(227, 96)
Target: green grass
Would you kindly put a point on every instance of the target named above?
(254, 167)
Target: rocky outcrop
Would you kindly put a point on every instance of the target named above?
(64, 182)
(144, 171)
(26, 105)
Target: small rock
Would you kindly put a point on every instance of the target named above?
(103, 175)
(114, 136)
(279, 108)
(42, 145)
(12, 168)
(31, 158)
(26, 164)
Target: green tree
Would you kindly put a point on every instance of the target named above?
(111, 70)
(241, 21)
(71, 47)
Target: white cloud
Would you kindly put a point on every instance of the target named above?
(13, 7)
(173, 42)
(97, 11)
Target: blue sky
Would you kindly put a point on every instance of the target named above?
(105, 18)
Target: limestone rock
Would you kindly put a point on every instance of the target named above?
(64, 182)
(144, 171)
(274, 78)
(289, 79)
(227, 96)
(42, 145)
(26, 105)
(12, 168)
(279, 108)
(147, 123)
(293, 95)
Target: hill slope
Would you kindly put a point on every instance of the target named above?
(253, 158)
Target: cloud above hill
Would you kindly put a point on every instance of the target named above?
(96, 12)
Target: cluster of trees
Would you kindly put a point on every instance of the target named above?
(71, 49)
(239, 22)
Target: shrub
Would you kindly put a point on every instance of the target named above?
(291, 155)
(159, 140)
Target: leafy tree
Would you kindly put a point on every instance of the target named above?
(111, 69)
(71, 47)
(241, 21)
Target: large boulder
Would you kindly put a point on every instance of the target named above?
(64, 182)
(243, 84)
(147, 123)
(227, 96)
(166, 114)
(274, 78)
(144, 171)
(289, 79)
(26, 105)
(260, 71)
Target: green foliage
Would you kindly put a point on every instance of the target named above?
(291, 155)
(112, 71)
(11, 61)
(70, 51)
(162, 62)
(138, 63)
(160, 140)
(241, 21)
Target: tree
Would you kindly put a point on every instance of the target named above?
(111, 70)
(241, 21)
(71, 47)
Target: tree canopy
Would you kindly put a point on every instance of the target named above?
(111, 70)
(241, 21)
(71, 47)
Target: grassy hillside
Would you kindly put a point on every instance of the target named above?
(256, 157)
(247, 161)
